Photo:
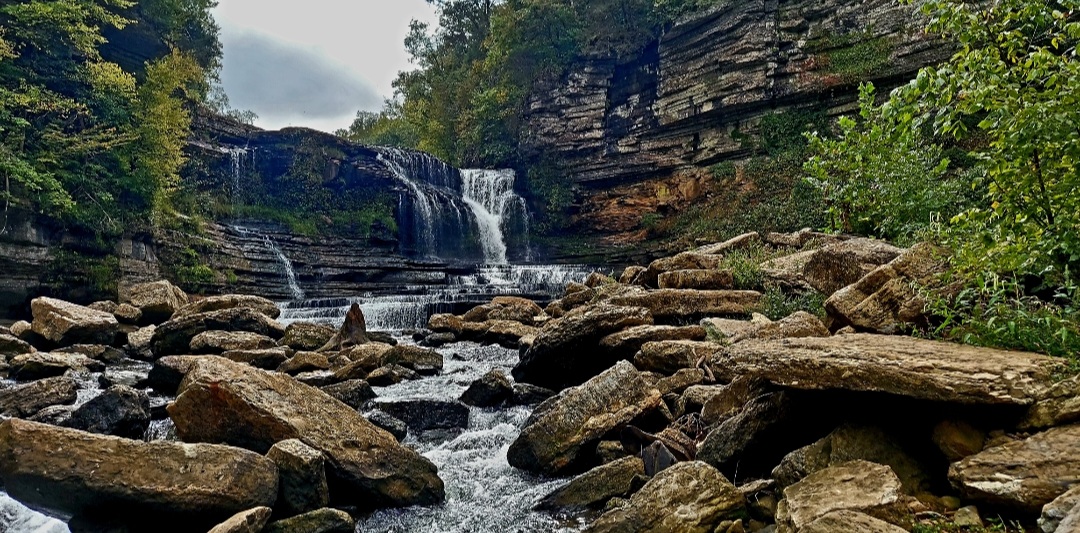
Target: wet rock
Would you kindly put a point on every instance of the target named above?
(304, 362)
(305, 337)
(680, 304)
(1056, 512)
(564, 353)
(40, 365)
(168, 372)
(510, 308)
(98, 352)
(848, 443)
(446, 323)
(884, 300)
(120, 410)
(625, 344)
(301, 477)
(250, 521)
(354, 392)
(424, 361)
(229, 301)
(222, 401)
(668, 357)
(902, 366)
(159, 485)
(320, 521)
(266, 359)
(957, 439)
(217, 342)
(427, 415)
(12, 345)
(396, 427)
(388, 375)
(436, 340)
(490, 390)
(561, 434)
(525, 394)
(700, 496)
(1024, 475)
(704, 280)
(133, 377)
(859, 486)
(595, 487)
(24, 400)
(850, 521)
(129, 314)
(63, 323)
(157, 301)
(369, 357)
(174, 337)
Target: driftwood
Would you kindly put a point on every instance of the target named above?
(352, 332)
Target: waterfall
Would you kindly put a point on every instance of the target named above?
(490, 194)
(236, 157)
(286, 266)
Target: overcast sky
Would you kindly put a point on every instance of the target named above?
(314, 63)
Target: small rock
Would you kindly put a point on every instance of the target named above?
(302, 483)
(304, 362)
(321, 521)
(129, 376)
(98, 352)
(958, 439)
(128, 314)
(56, 415)
(631, 275)
(394, 426)
(354, 392)
(706, 280)
(105, 306)
(1055, 512)
(490, 390)
(167, 373)
(967, 517)
(250, 521)
(426, 415)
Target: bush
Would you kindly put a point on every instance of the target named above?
(777, 304)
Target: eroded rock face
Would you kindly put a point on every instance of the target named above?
(690, 497)
(595, 487)
(490, 390)
(174, 337)
(564, 353)
(64, 323)
(898, 365)
(859, 486)
(147, 483)
(562, 433)
(222, 401)
(1024, 475)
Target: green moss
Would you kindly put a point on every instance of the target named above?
(86, 276)
(852, 57)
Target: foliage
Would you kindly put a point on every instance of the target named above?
(880, 180)
(782, 134)
(852, 57)
(777, 303)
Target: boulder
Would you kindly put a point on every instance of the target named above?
(353, 392)
(685, 304)
(490, 390)
(902, 366)
(562, 433)
(446, 323)
(39, 365)
(98, 352)
(217, 342)
(250, 521)
(229, 301)
(168, 372)
(304, 362)
(436, 340)
(107, 306)
(305, 337)
(849, 443)
(368, 357)
(166, 486)
(157, 301)
(120, 410)
(832, 267)
(625, 344)
(798, 324)
(128, 375)
(222, 401)
(576, 296)
(320, 521)
(689, 497)
(595, 487)
(63, 323)
(884, 300)
(174, 337)
(266, 359)
(511, 308)
(722, 330)
(23, 330)
(138, 343)
(388, 375)
(680, 381)
(12, 345)
(682, 261)
(505, 333)
(858, 486)
(396, 427)
(1055, 513)
(353, 331)
(632, 275)
(956, 439)
(702, 280)
(422, 415)
(56, 415)
(745, 240)
(301, 477)
(750, 440)
(525, 394)
(23, 401)
(668, 357)
(1059, 406)
(564, 352)
(848, 521)
(1023, 475)
(129, 314)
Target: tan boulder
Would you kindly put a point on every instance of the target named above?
(38, 365)
(12, 345)
(595, 487)
(174, 337)
(738, 242)
(682, 261)
(157, 301)
(446, 323)
(798, 324)
(1059, 406)
(149, 483)
(305, 337)
(222, 401)
(848, 522)
(217, 342)
(706, 280)
(64, 323)
(668, 357)
(680, 304)
(832, 267)
(625, 344)
(859, 486)
(250, 521)
(26, 400)
(229, 301)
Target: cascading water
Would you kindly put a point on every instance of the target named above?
(285, 265)
(236, 157)
(490, 194)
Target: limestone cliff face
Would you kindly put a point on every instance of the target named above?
(696, 96)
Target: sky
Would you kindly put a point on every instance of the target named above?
(314, 63)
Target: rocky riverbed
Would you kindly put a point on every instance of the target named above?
(659, 401)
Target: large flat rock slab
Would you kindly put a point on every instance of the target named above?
(72, 472)
(1024, 475)
(223, 401)
(903, 366)
(681, 304)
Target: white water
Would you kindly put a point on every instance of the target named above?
(236, 156)
(17, 518)
(490, 194)
(291, 281)
(431, 186)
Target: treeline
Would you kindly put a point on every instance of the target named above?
(84, 141)
(465, 101)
